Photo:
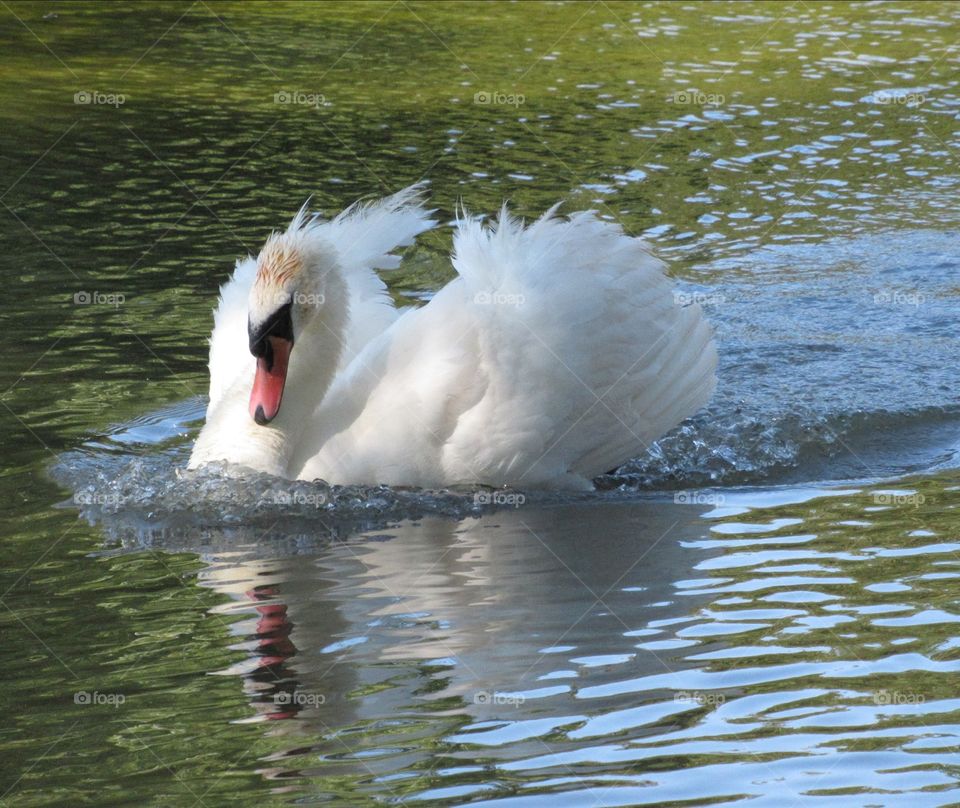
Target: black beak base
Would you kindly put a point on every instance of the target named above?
(278, 324)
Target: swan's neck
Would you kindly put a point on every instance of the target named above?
(231, 435)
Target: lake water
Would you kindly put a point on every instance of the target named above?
(765, 609)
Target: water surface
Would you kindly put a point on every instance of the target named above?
(763, 609)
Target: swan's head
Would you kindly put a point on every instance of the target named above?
(296, 279)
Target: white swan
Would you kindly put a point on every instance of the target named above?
(557, 354)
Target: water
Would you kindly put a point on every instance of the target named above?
(763, 609)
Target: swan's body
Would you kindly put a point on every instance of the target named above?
(557, 354)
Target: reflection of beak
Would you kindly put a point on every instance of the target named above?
(271, 342)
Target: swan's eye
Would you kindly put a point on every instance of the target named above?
(278, 324)
(263, 350)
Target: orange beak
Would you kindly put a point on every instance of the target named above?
(269, 380)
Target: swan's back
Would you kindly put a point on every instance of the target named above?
(556, 355)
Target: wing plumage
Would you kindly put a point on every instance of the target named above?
(557, 354)
(587, 356)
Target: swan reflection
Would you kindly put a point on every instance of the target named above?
(493, 617)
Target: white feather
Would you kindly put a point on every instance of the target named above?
(557, 354)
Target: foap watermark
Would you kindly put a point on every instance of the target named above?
(699, 697)
(316, 499)
(899, 297)
(682, 298)
(698, 498)
(899, 498)
(86, 697)
(312, 299)
(104, 499)
(885, 697)
(84, 298)
(299, 699)
(299, 98)
(697, 99)
(508, 499)
(99, 99)
(497, 99)
(903, 98)
(487, 697)
(499, 299)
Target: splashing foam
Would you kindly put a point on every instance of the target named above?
(144, 490)
(739, 448)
